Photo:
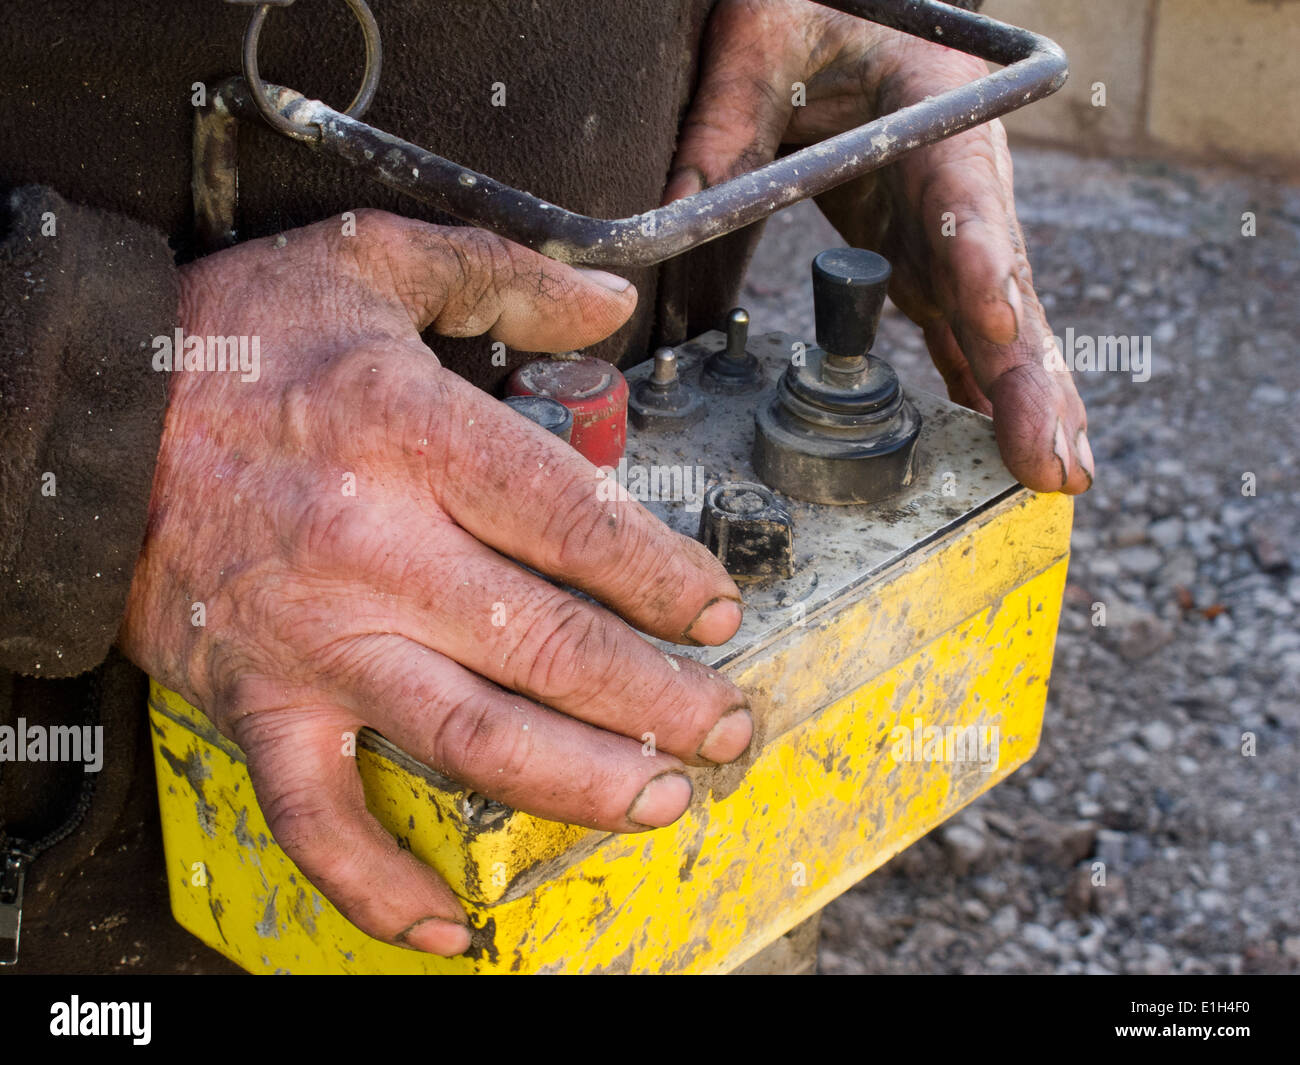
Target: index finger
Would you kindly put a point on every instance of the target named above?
(529, 495)
(985, 289)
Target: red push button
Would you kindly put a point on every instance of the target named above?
(593, 389)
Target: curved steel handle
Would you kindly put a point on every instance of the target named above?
(1034, 67)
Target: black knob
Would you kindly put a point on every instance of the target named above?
(849, 286)
(550, 414)
(748, 529)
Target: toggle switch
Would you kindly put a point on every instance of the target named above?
(661, 401)
(734, 368)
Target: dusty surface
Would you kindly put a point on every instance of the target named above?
(1141, 765)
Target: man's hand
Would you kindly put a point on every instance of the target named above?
(945, 214)
(349, 521)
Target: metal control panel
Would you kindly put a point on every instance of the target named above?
(956, 472)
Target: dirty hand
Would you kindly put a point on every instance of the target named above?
(944, 214)
(348, 522)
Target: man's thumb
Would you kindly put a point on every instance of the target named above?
(466, 282)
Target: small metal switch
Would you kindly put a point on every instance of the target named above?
(734, 368)
(661, 401)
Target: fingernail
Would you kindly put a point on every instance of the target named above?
(716, 623)
(436, 935)
(606, 280)
(685, 182)
(1083, 451)
(662, 801)
(1016, 304)
(728, 739)
(1061, 446)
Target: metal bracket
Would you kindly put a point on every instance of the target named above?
(1034, 67)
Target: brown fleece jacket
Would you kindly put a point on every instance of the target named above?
(95, 125)
(80, 416)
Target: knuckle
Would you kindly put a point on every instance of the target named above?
(567, 652)
(365, 245)
(354, 379)
(306, 817)
(473, 735)
(583, 530)
(381, 398)
(328, 534)
(305, 825)
(482, 267)
(376, 223)
(321, 534)
(599, 794)
(377, 232)
(657, 581)
(679, 706)
(617, 546)
(1023, 387)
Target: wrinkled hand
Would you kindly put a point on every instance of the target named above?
(944, 214)
(348, 522)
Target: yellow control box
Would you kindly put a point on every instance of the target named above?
(900, 672)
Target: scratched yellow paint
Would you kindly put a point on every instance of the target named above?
(960, 635)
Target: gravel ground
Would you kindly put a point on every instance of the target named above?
(1146, 763)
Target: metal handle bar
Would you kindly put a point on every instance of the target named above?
(1034, 67)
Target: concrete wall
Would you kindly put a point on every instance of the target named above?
(1206, 79)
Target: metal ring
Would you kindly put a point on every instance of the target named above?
(262, 98)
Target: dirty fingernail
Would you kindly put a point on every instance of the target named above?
(1016, 304)
(604, 279)
(1061, 446)
(1083, 451)
(716, 623)
(662, 801)
(728, 739)
(685, 182)
(436, 935)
